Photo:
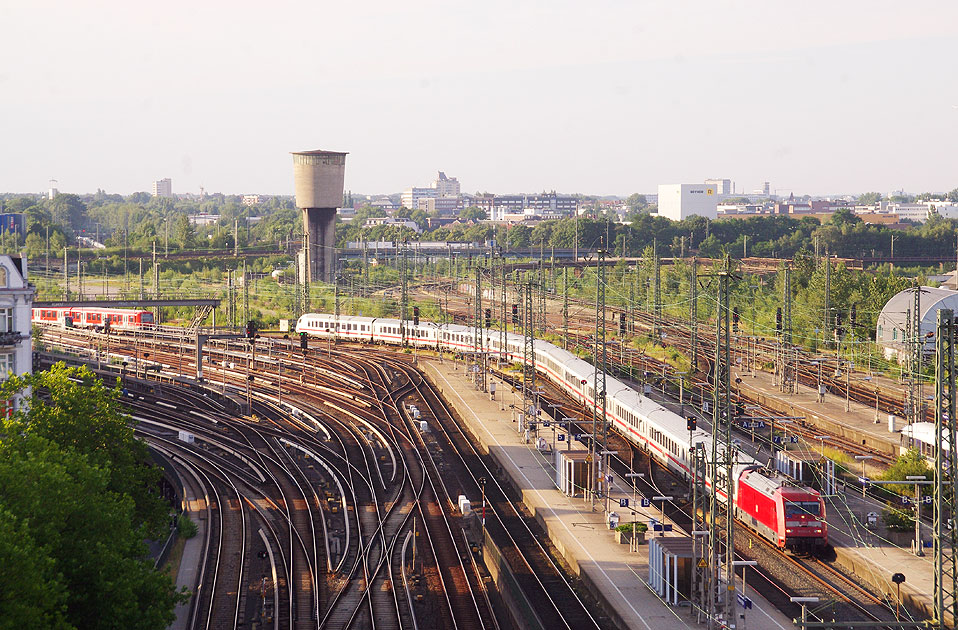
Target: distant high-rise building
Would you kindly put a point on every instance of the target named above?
(446, 186)
(721, 186)
(53, 192)
(163, 188)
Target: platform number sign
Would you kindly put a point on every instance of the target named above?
(623, 503)
(646, 502)
(561, 437)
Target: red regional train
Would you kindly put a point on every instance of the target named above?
(117, 318)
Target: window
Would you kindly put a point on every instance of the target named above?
(797, 508)
(894, 334)
(6, 365)
(6, 320)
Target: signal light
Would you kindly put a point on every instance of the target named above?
(488, 318)
(853, 315)
(778, 320)
(304, 341)
(250, 329)
(515, 314)
(622, 323)
(735, 319)
(415, 316)
(690, 423)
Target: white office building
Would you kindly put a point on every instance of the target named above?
(163, 188)
(16, 302)
(680, 201)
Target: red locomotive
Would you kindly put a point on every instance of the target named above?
(790, 516)
(118, 318)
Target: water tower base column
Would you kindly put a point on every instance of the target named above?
(320, 227)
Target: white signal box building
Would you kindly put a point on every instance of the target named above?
(680, 201)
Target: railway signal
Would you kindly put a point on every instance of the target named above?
(690, 423)
(853, 316)
(250, 329)
(622, 324)
(735, 319)
(488, 318)
(778, 320)
(304, 341)
(415, 316)
(515, 314)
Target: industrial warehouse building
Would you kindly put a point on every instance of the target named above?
(893, 331)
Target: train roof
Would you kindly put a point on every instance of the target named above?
(91, 309)
(768, 482)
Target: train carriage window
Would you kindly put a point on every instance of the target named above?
(798, 508)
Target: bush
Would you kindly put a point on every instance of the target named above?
(898, 520)
(185, 526)
(627, 528)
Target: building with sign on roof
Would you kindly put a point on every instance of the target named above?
(681, 201)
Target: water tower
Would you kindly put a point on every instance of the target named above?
(318, 178)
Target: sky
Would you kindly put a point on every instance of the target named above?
(602, 97)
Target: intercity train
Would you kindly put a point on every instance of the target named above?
(789, 515)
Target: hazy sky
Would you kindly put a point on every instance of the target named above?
(597, 97)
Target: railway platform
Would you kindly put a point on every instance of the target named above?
(192, 559)
(860, 424)
(616, 577)
(863, 545)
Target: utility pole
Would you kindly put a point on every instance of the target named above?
(656, 297)
(699, 544)
(596, 470)
(478, 334)
(721, 540)
(565, 308)
(365, 268)
(245, 294)
(142, 293)
(502, 311)
(542, 295)
(785, 339)
(694, 314)
(156, 274)
(828, 293)
(946, 471)
(404, 296)
(304, 272)
(66, 272)
(236, 242)
(917, 352)
(231, 280)
(528, 360)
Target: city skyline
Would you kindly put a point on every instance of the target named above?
(609, 99)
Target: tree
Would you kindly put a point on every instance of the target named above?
(88, 555)
(953, 195)
(473, 213)
(519, 236)
(636, 202)
(69, 210)
(869, 198)
(184, 232)
(72, 408)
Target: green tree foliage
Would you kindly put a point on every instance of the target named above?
(184, 233)
(72, 408)
(72, 523)
(68, 209)
(472, 213)
(912, 463)
(869, 198)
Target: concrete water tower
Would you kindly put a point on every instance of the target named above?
(318, 178)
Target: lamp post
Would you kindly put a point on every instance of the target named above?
(743, 564)
(662, 500)
(804, 601)
(863, 459)
(917, 478)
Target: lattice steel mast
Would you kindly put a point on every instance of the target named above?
(721, 540)
(946, 472)
(403, 296)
